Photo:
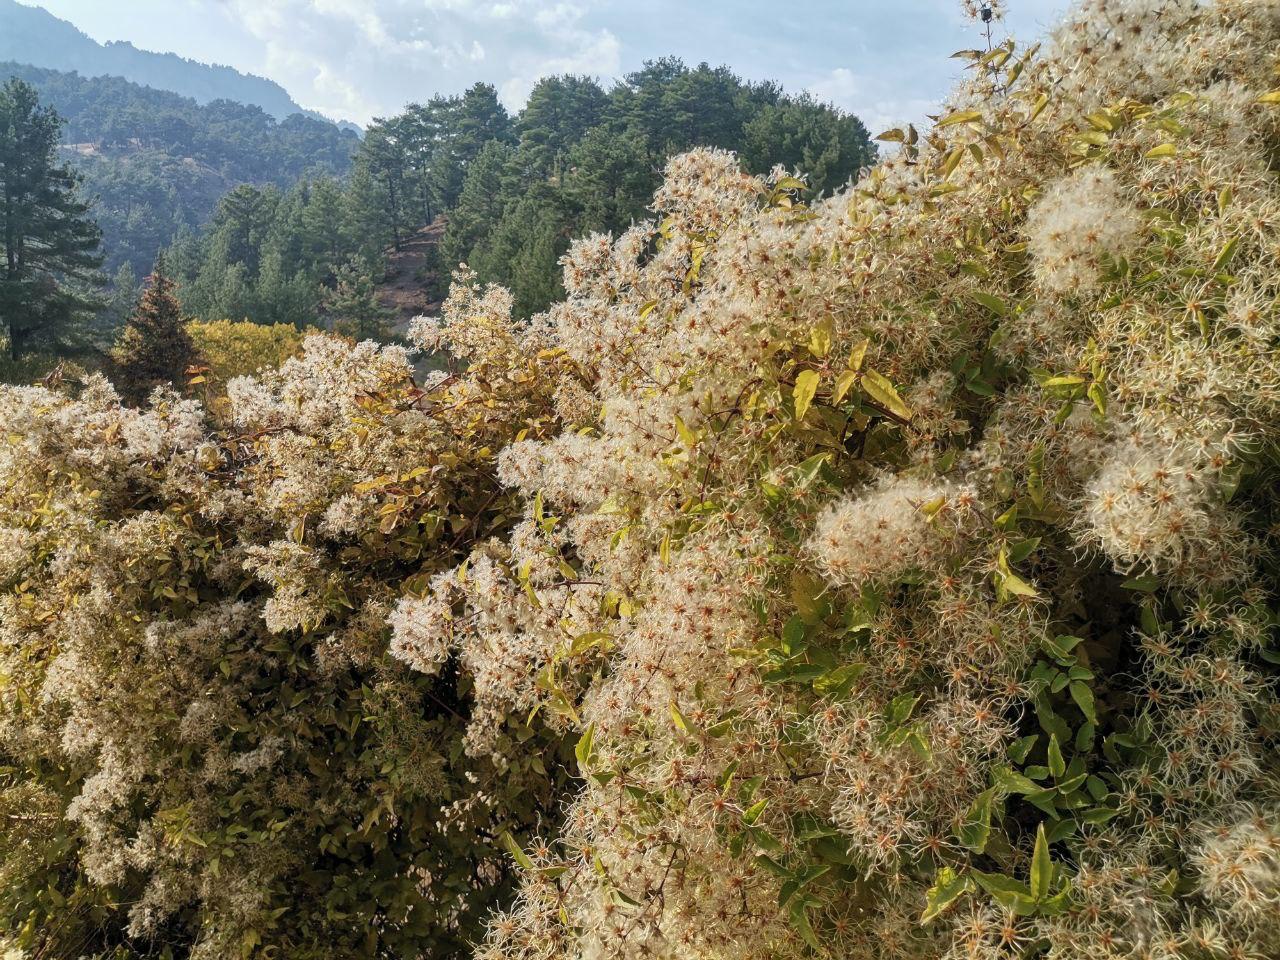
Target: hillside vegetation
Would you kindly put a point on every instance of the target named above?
(156, 163)
(513, 190)
(887, 575)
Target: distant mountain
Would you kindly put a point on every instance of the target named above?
(156, 163)
(32, 35)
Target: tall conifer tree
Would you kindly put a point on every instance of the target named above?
(50, 267)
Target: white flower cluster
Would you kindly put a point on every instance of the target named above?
(1079, 223)
(897, 527)
(1160, 509)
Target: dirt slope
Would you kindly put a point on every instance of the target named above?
(408, 288)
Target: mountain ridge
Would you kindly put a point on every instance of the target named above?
(32, 35)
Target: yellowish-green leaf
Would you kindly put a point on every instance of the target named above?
(805, 390)
(1041, 866)
(843, 383)
(879, 389)
(1164, 150)
(820, 339)
(584, 748)
(679, 719)
(858, 354)
(1272, 96)
(1064, 381)
(687, 436)
(1226, 253)
(1102, 120)
(516, 852)
(960, 116)
(946, 889)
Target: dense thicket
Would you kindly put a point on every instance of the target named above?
(206, 749)
(156, 162)
(514, 190)
(901, 567)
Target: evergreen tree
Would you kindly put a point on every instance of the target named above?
(480, 202)
(817, 140)
(154, 348)
(558, 114)
(124, 295)
(382, 158)
(324, 234)
(481, 118)
(352, 306)
(49, 274)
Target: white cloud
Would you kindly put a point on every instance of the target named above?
(363, 58)
(357, 59)
(871, 99)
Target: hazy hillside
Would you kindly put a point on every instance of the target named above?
(32, 35)
(158, 162)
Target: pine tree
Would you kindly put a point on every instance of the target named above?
(49, 274)
(155, 347)
(353, 308)
(124, 296)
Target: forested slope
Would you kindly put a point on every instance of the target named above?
(514, 189)
(158, 162)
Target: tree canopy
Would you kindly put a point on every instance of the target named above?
(577, 158)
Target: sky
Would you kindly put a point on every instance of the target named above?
(886, 62)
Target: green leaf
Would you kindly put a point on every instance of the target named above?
(1226, 253)
(1057, 766)
(1006, 891)
(1056, 904)
(1098, 394)
(900, 708)
(516, 852)
(946, 889)
(1010, 781)
(991, 302)
(976, 828)
(1146, 583)
(1041, 866)
(800, 920)
(837, 682)
(920, 745)
(1022, 746)
(1022, 549)
(752, 813)
(1082, 694)
(1164, 150)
